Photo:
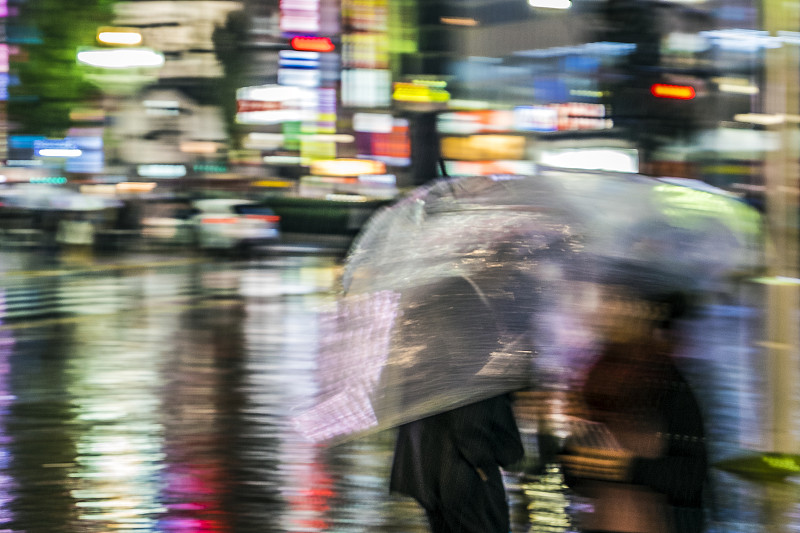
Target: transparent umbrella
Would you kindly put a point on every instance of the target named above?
(472, 286)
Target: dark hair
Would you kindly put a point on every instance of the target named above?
(676, 305)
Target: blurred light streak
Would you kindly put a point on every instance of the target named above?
(366, 87)
(200, 147)
(278, 184)
(119, 36)
(686, 42)
(551, 4)
(87, 115)
(604, 48)
(484, 147)
(458, 21)
(457, 103)
(135, 186)
(742, 40)
(486, 168)
(614, 159)
(735, 86)
(161, 171)
(373, 122)
(419, 92)
(121, 58)
(347, 167)
(766, 119)
(282, 159)
(8, 484)
(675, 92)
(312, 44)
(60, 152)
(777, 280)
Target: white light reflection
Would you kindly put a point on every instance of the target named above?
(551, 4)
(7, 483)
(612, 159)
(121, 58)
(116, 479)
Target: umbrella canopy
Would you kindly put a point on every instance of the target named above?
(474, 286)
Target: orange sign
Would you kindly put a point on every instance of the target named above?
(312, 44)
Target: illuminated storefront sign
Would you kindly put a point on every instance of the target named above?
(373, 122)
(299, 68)
(55, 148)
(299, 16)
(309, 17)
(484, 147)
(366, 88)
(347, 167)
(466, 122)
(366, 78)
(421, 92)
(561, 117)
(274, 104)
(161, 171)
(390, 145)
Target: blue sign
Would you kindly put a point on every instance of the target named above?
(55, 148)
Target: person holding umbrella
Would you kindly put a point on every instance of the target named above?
(450, 462)
(641, 458)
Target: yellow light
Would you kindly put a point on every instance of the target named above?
(278, 184)
(458, 21)
(98, 189)
(347, 167)
(419, 91)
(483, 147)
(120, 36)
(136, 186)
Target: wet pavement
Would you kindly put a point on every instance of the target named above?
(150, 393)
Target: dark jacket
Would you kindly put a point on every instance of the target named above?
(651, 391)
(484, 435)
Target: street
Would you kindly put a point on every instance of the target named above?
(153, 393)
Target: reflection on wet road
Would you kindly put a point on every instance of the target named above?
(156, 397)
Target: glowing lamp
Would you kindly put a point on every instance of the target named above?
(675, 92)
(312, 44)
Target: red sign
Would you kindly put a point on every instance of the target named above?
(252, 106)
(312, 44)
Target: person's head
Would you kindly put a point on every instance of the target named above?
(626, 315)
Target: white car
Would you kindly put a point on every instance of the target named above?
(223, 223)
